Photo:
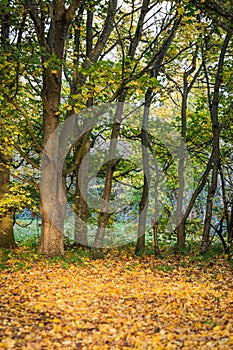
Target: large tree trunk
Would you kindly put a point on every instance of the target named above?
(51, 240)
(53, 199)
(52, 47)
(7, 239)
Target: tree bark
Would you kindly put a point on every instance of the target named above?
(80, 198)
(155, 225)
(78, 80)
(180, 229)
(51, 240)
(216, 147)
(7, 239)
(52, 47)
(111, 165)
(180, 220)
(225, 205)
(143, 205)
(157, 64)
(230, 234)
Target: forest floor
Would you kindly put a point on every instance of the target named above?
(121, 302)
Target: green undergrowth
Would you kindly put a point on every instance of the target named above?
(26, 256)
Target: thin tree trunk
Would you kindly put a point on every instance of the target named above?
(156, 64)
(216, 148)
(211, 193)
(180, 229)
(82, 149)
(104, 215)
(180, 221)
(80, 200)
(230, 234)
(155, 225)
(219, 233)
(143, 205)
(225, 205)
(140, 245)
(111, 165)
(199, 188)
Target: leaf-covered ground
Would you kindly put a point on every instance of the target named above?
(122, 302)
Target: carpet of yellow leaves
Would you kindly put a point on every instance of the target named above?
(118, 303)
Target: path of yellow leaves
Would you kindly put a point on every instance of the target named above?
(124, 304)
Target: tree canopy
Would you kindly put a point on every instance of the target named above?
(171, 62)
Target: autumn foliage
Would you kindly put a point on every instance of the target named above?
(116, 127)
(122, 302)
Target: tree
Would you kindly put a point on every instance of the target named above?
(9, 78)
(131, 60)
(214, 113)
(51, 41)
(58, 59)
(185, 90)
(83, 65)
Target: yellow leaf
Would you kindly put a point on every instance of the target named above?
(180, 11)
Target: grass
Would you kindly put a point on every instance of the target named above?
(27, 240)
(25, 256)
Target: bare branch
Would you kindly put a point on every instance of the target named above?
(70, 12)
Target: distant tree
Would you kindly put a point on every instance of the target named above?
(214, 101)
